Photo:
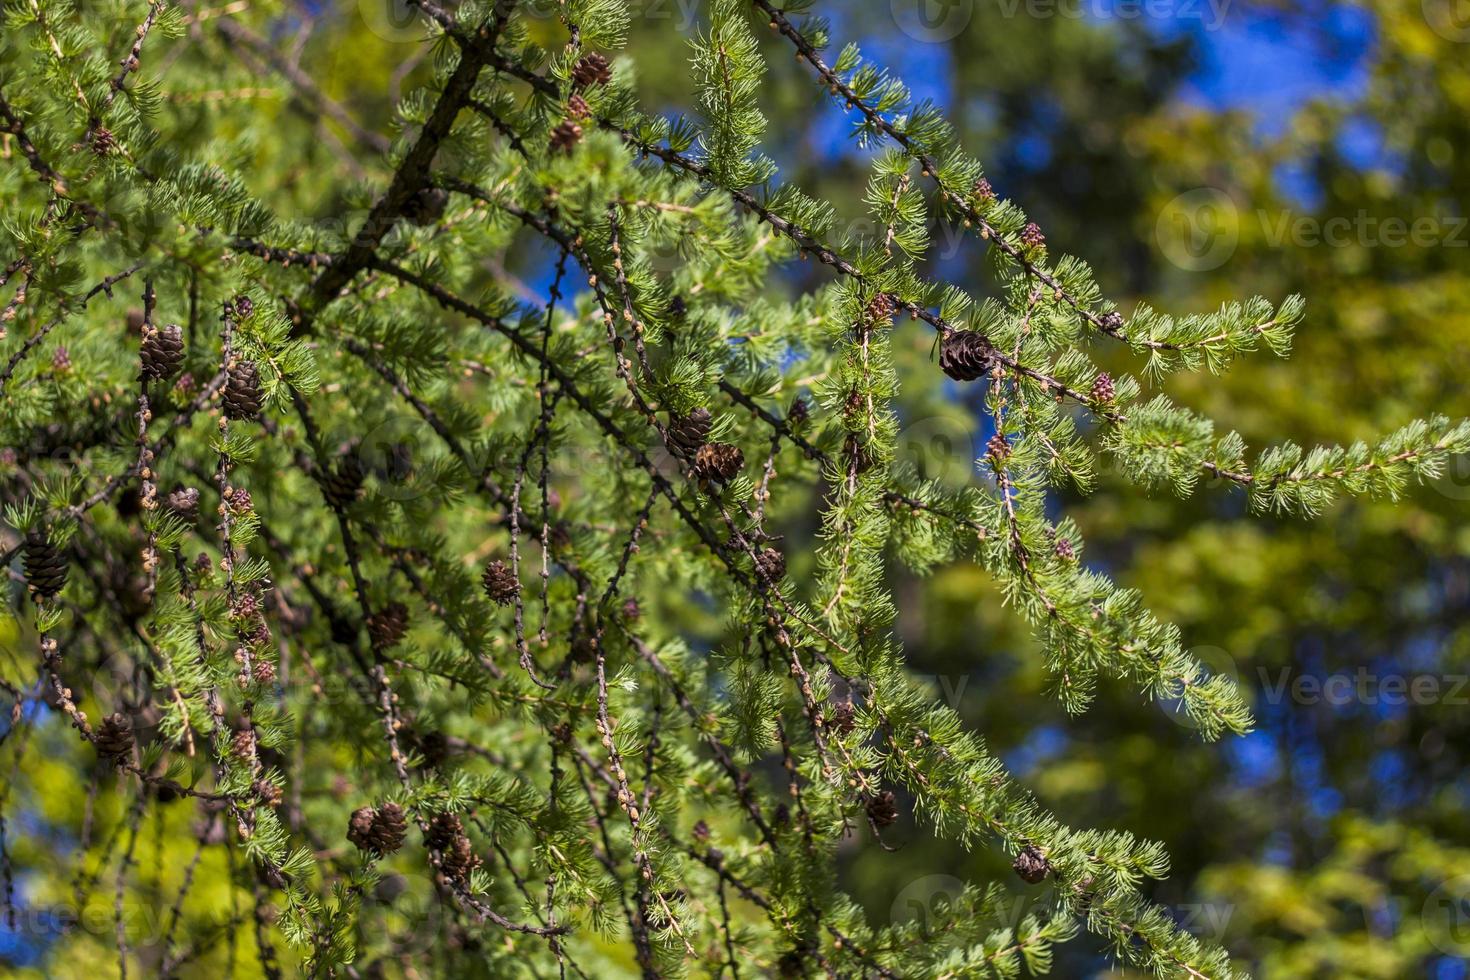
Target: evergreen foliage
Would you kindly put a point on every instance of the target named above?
(482, 587)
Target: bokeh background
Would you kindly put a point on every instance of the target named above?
(1193, 151)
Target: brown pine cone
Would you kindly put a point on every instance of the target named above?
(883, 809)
(843, 718)
(103, 142)
(998, 448)
(881, 308)
(244, 306)
(426, 206)
(966, 355)
(770, 564)
(687, 433)
(388, 625)
(378, 830)
(243, 744)
(1032, 237)
(565, 135)
(1103, 389)
(457, 856)
(269, 792)
(500, 583)
(114, 737)
(717, 462)
(577, 107)
(390, 827)
(162, 352)
(360, 828)
(342, 484)
(591, 69)
(799, 413)
(184, 501)
(1031, 865)
(982, 190)
(45, 565)
(1064, 549)
(241, 394)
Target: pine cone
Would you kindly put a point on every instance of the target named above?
(1064, 549)
(61, 360)
(631, 610)
(717, 462)
(1032, 237)
(843, 718)
(45, 565)
(457, 856)
(184, 501)
(244, 306)
(1103, 389)
(983, 192)
(378, 830)
(426, 206)
(360, 828)
(269, 792)
(114, 737)
(1031, 865)
(883, 809)
(770, 564)
(241, 393)
(881, 308)
(998, 448)
(342, 484)
(591, 69)
(501, 586)
(103, 142)
(687, 434)
(162, 352)
(577, 107)
(966, 355)
(243, 744)
(798, 414)
(388, 625)
(564, 136)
